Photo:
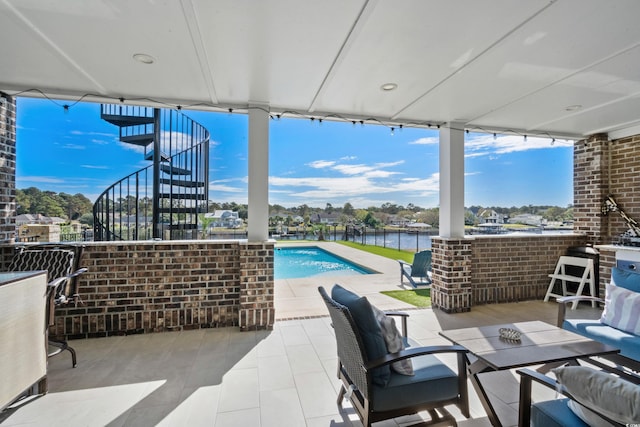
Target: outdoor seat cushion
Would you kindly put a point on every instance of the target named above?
(628, 343)
(625, 279)
(369, 328)
(554, 413)
(432, 381)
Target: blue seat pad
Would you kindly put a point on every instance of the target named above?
(432, 381)
(554, 413)
(628, 343)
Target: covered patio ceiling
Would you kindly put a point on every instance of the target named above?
(560, 68)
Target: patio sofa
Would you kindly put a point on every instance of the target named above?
(619, 325)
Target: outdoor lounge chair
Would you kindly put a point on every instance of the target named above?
(587, 397)
(377, 392)
(420, 269)
(61, 262)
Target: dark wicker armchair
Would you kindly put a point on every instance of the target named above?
(433, 385)
(62, 264)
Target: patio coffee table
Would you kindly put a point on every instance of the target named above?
(540, 344)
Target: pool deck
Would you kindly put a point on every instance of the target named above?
(299, 298)
(285, 377)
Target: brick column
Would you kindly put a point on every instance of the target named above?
(7, 168)
(256, 286)
(590, 187)
(451, 288)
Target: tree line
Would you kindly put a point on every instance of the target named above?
(78, 207)
(50, 203)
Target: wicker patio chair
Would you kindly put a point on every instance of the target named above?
(62, 264)
(432, 386)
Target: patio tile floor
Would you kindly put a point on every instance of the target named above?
(224, 377)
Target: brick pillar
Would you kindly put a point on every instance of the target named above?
(7, 168)
(590, 187)
(256, 286)
(451, 287)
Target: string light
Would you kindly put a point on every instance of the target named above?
(371, 120)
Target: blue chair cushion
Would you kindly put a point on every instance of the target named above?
(432, 381)
(625, 279)
(628, 343)
(369, 328)
(554, 413)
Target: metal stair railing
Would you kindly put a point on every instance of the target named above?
(144, 205)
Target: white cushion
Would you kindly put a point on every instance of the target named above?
(394, 342)
(602, 392)
(622, 309)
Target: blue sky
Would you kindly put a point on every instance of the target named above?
(310, 163)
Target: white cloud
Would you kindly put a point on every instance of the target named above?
(222, 185)
(94, 167)
(431, 140)
(484, 144)
(74, 147)
(369, 170)
(225, 188)
(321, 164)
(43, 179)
(82, 133)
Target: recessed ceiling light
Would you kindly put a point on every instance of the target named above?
(388, 86)
(575, 107)
(144, 58)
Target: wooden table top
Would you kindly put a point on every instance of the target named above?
(540, 343)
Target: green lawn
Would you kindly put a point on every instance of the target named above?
(379, 250)
(417, 297)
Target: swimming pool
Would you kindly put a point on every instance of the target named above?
(310, 261)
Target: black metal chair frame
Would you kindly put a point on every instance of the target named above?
(61, 290)
(355, 371)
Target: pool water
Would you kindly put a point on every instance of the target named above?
(310, 261)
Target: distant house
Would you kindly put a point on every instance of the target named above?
(224, 219)
(489, 216)
(325, 218)
(398, 221)
(23, 219)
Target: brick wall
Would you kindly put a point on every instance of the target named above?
(624, 184)
(451, 290)
(256, 286)
(494, 269)
(7, 168)
(139, 287)
(590, 171)
(515, 268)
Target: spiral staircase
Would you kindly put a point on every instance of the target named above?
(162, 200)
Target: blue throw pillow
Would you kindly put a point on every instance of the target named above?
(625, 279)
(372, 339)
